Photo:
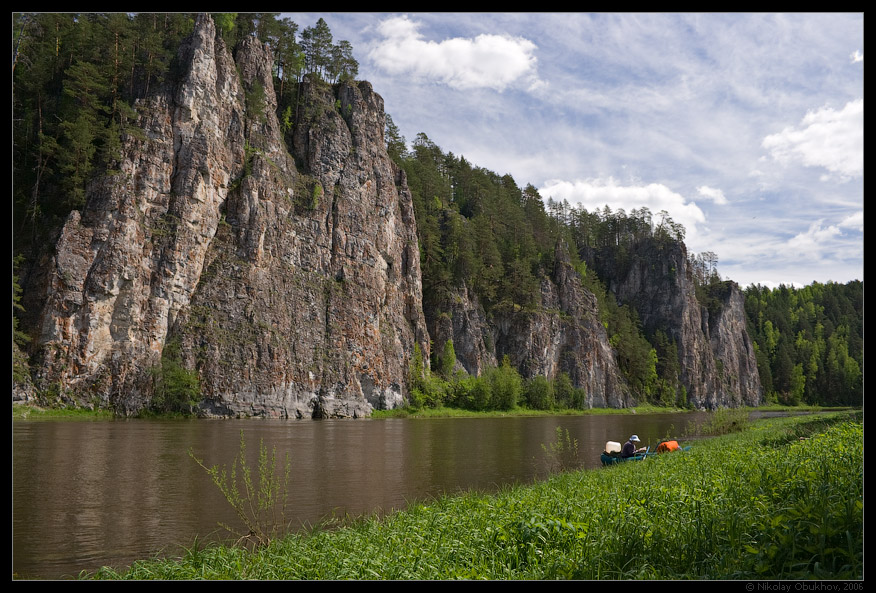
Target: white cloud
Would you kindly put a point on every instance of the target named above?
(854, 222)
(595, 194)
(716, 195)
(821, 252)
(487, 61)
(814, 241)
(686, 101)
(824, 138)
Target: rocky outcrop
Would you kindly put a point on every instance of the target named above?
(564, 335)
(460, 317)
(716, 356)
(292, 290)
(129, 262)
(561, 333)
(733, 349)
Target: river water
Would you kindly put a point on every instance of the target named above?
(88, 494)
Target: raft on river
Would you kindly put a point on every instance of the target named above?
(612, 453)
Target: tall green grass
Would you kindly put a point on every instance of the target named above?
(721, 421)
(562, 455)
(781, 500)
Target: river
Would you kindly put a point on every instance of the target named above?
(88, 494)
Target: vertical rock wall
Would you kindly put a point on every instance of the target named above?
(127, 265)
(292, 293)
(718, 367)
(561, 334)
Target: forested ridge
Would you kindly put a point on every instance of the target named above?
(480, 228)
(77, 79)
(810, 341)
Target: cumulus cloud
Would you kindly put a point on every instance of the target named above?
(815, 242)
(824, 138)
(486, 61)
(854, 222)
(593, 194)
(857, 56)
(716, 195)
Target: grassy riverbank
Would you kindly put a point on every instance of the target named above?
(32, 412)
(781, 500)
(450, 412)
(22, 411)
(25, 411)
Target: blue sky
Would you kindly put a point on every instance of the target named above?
(747, 128)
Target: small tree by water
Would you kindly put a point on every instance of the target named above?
(259, 501)
(176, 388)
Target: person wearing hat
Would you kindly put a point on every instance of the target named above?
(630, 447)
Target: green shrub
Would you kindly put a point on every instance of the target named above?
(259, 501)
(506, 386)
(539, 393)
(564, 391)
(722, 421)
(430, 392)
(176, 388)
(481, 394)
(446, 360)
(562, 454)
(426, 389)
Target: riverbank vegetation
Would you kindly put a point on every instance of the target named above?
(782, 499)
(32, 412)
(28, 411)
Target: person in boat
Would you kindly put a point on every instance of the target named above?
(630, 447)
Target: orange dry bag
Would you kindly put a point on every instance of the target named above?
(667, 446)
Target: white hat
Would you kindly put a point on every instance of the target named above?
(634, 438)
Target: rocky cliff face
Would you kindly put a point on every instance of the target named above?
(292, 290)
(562, 333)
(734, 351)
(718, 367)
(461, 318)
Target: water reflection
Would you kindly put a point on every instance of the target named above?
(88, 494)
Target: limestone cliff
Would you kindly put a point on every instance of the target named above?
(292, 289)
(716, 355)
(734, 350)
(562, 333)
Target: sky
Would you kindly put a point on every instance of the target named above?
(747, 128)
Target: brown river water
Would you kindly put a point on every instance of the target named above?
(87, 494)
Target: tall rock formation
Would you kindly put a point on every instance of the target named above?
(716, 355)
(292, 290)
(734, 350)
(562, 333)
